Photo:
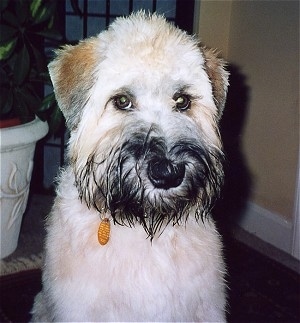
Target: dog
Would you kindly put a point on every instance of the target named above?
(130, 236)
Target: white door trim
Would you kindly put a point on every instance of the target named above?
(296, 224)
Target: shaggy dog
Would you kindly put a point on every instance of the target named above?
(130, 236)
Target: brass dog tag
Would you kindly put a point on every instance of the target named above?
(104, 231)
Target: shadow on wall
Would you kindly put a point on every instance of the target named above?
(236, 190)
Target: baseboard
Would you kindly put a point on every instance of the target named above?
(268, 226)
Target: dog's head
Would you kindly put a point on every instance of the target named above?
(142, 101)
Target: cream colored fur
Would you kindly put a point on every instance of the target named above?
(179, 275)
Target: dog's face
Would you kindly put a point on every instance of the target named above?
(142, 101)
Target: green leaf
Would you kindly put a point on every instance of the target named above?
(6, 100)
(31, 100)
(50, 111)
(7, 48)
(47, 103)
(21, 10)
(20, 106)
(56, 120)
(34, 6)
(39, 58)
(7, 32)
(4, 80)
(10, 19)
(50, 34)
(22, 66)
(44, 13)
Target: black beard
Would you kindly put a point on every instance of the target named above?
(117, 183)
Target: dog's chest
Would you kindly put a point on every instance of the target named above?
(132, 278)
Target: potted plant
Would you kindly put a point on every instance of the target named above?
(25, 26)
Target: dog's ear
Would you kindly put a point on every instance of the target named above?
(215, 69)
(72, 75)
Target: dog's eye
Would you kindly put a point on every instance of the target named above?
(182, 102)
(122, 102)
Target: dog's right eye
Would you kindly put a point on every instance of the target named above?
(122, 102)
(182, 101)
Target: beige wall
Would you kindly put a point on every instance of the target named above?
(216, 34)
(261, 38)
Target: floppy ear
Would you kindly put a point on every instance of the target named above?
(218, 76)
(72, 75)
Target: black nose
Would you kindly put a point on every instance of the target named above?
(164, 174)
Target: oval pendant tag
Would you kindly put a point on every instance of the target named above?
(104, 231)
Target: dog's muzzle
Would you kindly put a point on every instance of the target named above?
(165, 174)
(146, 180)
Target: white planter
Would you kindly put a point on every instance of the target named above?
(17, 151)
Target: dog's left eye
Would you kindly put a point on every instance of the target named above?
(122, 102)
(182, 102)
